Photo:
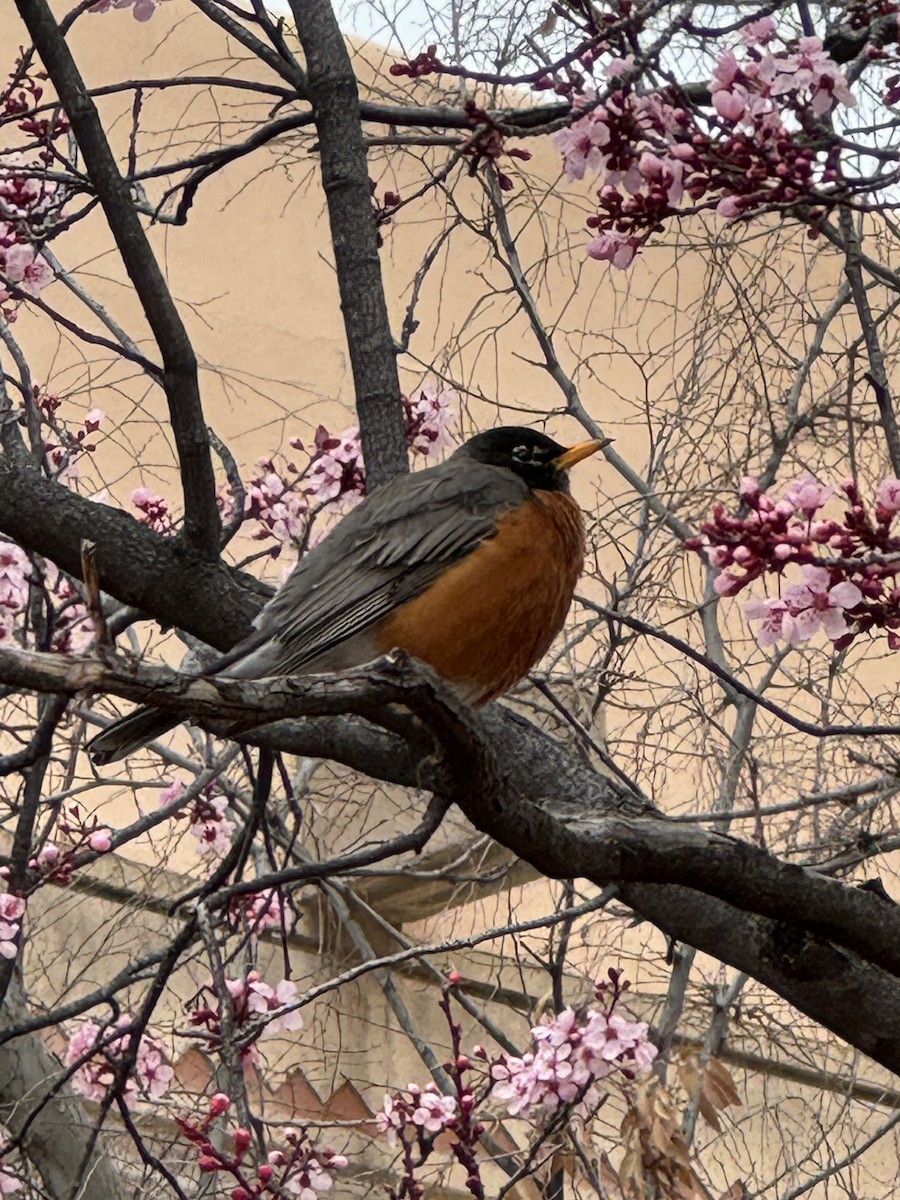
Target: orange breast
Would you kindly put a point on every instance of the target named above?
(487, 620)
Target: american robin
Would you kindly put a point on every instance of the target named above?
(469, 566)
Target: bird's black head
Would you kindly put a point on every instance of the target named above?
(536, 458)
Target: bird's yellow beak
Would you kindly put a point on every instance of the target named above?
(579, 451)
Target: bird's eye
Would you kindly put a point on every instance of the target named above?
(521, 453)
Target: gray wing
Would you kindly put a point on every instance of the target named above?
(383, 553)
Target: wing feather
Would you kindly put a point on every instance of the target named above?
(379, 556)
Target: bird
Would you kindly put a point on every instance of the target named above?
(469, 566)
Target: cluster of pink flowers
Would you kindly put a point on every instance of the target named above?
(301, 1168)
(653, 154)
(82, 833)
(283, 498)
(12, 910)
(154, 510)
(103, 1050)
(257, 1009)
(72, 627)
(275, 501)
(258, 911)
(29, 204)
(639, 145)
(210, 826)
(337, 470)
(297, 1168)
(428, 415)
(572, 1052)
(71, 442)
(847, 567)
(206, 814)
(422, 1108)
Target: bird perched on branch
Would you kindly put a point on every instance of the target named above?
(469, 566)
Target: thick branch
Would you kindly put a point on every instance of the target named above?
(521, 787)
(331, 87)
(180, 381)
(163, 576)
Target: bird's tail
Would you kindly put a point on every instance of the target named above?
(129, 733)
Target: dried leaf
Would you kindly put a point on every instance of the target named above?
(737, 1191)
(546, 26)
(708, 1111)
(609, 1177)
(719, 1077)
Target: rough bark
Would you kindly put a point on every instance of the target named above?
(332, 90)
(162, 576)
(830, 949)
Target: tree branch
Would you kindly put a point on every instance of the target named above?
(526, 791)
(215, 602)
(180, 380)
(332, 90)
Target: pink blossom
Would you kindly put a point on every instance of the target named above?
(151, 1073)
(888, 496)
(749, 487)
(174, 791)
(728, 584)
(619, 66)
(12, 908)
(100, 840)
(389, 1120)
(155, 509)
(312, 1178)
(428, 415)
(725, 72)
(572, 1052)
(615, 248)
(25, 267)
(211, 827)
(730, 207)
(434, 1112)
(758, 32)
(15, 571)
(808, 494)
(668, 174)
(48, 856)
(263, 910)
(581, 145)
(804, 608)
(816, 605)
(810, 69)
(731, 105)
(716, 556)
(339, 471)
(252, 997)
